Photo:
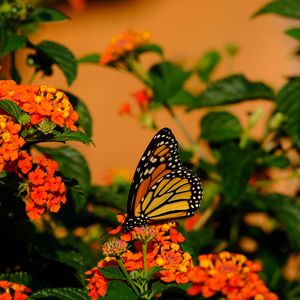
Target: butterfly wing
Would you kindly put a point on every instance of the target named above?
(162, 188)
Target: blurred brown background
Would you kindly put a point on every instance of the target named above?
(185, 29)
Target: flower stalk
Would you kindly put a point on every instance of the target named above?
(120, 262)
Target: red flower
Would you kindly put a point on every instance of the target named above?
(125, 108)
(142, 98)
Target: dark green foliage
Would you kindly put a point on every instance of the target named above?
(206, 65)
(288, 213)
(289, 105)
(15, 111)
(233, 89)
(85, 119)
(61, 56)
(61, 293)
(150, 48)
(220, 126)
(167, 80)
(46, 14)
(119, 290)
(236, 166)
(72, 164)
(286, 8)
(10, 42)
(294, 33)
(90, 58)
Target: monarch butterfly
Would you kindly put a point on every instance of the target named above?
(162, 188)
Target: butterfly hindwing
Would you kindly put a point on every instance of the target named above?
(162, 188)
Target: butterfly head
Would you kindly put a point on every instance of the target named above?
(130, 223)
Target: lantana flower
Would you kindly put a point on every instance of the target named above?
(232, 275)
(45, 190)
(41, 103)
(10, 141)
(122, 45)
(11, 290)
(163, 250)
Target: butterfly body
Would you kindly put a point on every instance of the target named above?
(162, 188)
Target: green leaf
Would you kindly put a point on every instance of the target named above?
(70, 258)
(294, 33)
(10, 42)
(112, 273)
(285, 8)
(159, 287)
(275, 161)
(288, 213)
(207, 64)
(220, 126)
(119, 290)
(67, 135)
(61, 56)
(152, 271)
(107, 196)
(185, 155)
(17, 277)
(232, 49)
(67, 293)
(90, 58)
(46, 14)
(289, 105)
(167, 80)
(73, 165)
(182, 98)
(232, 89)
(15, 75)
(11, 108)
(236, 167)
(85, 119)
(199, 239)
(149, 48)
(15, 111)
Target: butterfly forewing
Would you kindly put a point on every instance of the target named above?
(162, 188)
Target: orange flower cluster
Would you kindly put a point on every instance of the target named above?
(97, 285)
(123, 44)
(10, 141)
(41, 103)
(45, 191)
(163, 249)
(230, 274)
(13, 291)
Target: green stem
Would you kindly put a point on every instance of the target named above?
(127, 276)
(137, 69)
(32, 77)
(195, 146)
(144, 247)
(234, 230)
(244, 138)
(13, 69)
(180, 124)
